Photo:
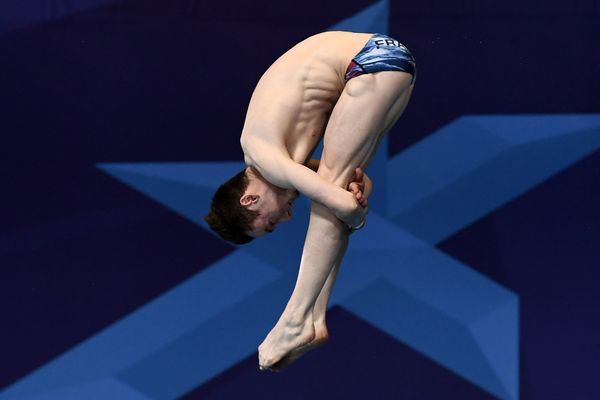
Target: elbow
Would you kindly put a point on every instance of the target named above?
(348, 206)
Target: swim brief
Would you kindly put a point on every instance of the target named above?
(382, 53)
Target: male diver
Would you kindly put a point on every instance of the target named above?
(347, 89)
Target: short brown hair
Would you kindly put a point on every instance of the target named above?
(227, 217)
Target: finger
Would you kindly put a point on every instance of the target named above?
(352, 182)
(359, 174)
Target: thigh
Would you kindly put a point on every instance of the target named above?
(367, 108)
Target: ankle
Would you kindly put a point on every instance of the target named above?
(297, 318)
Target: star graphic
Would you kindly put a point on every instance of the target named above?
(393, 275)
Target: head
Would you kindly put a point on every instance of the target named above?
(248, 206)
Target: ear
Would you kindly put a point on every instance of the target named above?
(249, 199)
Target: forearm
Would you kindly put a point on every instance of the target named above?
(313, 164)
(279, 169)
(322, 188)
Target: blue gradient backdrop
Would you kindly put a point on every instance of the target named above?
(475, 277)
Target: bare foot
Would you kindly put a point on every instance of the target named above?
(321, 336)
(286, 336)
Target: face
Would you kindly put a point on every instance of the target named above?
(274, 205)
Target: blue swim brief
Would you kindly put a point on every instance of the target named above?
(382, 53)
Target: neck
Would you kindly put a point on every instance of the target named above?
(253, 173)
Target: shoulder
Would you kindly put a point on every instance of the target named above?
(270, 159)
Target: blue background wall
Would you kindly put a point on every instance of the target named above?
(475, 279)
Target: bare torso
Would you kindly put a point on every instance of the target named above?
(290, 106)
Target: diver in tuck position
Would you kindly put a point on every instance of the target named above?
(347, 89)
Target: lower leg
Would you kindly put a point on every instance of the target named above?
(326, 240)
(321, 334)
(320, 308)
